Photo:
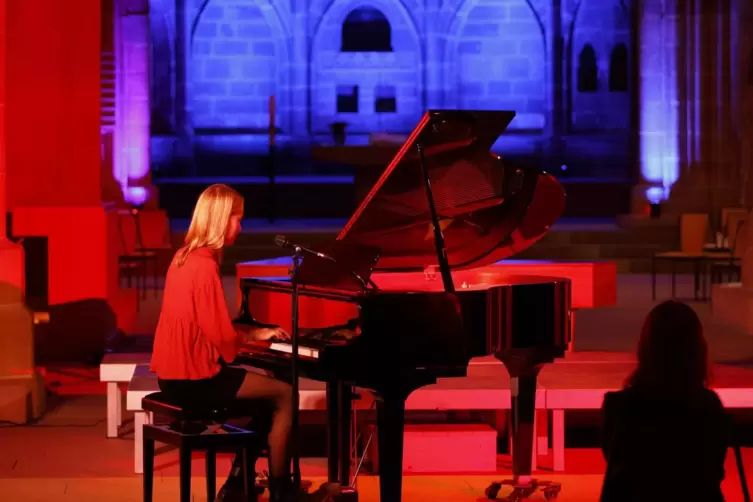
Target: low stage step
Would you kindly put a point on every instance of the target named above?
(446, 448)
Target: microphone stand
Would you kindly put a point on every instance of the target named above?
(297, 257)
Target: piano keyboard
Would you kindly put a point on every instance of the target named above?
(288, 349)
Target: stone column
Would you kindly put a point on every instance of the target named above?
(557, 78)
(433, 57)
(686, 128)
(742, 16)
(659, 163)
(11, 254)
(18, 375)
(184, 154)
(299, 64)
(132, 130)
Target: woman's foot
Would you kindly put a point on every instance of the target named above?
(230, 494)
(281, 490)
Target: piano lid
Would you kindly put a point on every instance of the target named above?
(488, 208)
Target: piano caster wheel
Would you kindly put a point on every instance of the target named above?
(492, 491)
(521, 493)
(551, 492)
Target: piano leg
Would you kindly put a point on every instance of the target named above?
(339, 401)
(390, 425)
(333, 433)
(523, 376)
(523, 411)
(344, 413)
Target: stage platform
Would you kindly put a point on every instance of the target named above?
(67, 454)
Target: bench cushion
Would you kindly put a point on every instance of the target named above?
(258, 411)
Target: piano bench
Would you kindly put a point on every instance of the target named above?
(160, 404)
(202, 429)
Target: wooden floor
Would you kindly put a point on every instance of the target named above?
(67, 457)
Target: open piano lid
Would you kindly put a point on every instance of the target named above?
(488, 208)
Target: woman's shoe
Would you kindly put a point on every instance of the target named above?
(230, 494)
(281, 490)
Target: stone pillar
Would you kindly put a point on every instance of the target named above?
(686, 123)
(658, 133)
(433, 56)
(298, 113)
(733, 303)
(132, 132)
(20, 384)
(184, 154)
(54, 179)
(11, 254)
(742, 19)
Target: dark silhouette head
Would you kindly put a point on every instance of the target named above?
(672, 352)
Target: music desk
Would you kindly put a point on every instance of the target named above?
(594, 284)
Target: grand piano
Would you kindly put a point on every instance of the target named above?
(412, 260)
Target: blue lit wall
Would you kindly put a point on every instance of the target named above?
(377, 65)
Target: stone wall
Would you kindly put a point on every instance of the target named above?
(361, 87)
(599, 59)
(481, 54)
(238, 61)
(497, 59)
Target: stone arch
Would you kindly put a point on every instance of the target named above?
(365, 29)
(618, 69)
(239, 58)
(496, 57)
(368, 79)
(602, 25)
(588, 70)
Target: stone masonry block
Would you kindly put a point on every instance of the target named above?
(216, 69)
(213, 12)
(230, 47)
(206, 30)
(253, 30)
(238, 46)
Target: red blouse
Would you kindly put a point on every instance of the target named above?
(194, 327)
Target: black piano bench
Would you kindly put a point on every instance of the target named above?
(199, 428)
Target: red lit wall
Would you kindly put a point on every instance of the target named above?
(52, 94)
(53, 157)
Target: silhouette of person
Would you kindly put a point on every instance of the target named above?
(666, 433)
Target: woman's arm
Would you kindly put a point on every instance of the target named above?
(260, 332)
(213, 317)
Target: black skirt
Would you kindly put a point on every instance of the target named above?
(217, 390)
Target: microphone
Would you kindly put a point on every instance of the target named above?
(284, 243)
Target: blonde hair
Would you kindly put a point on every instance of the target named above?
(210, 219)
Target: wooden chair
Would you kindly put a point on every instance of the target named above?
(729, 268)
(132, 260)
(152, 253)
(732, 225)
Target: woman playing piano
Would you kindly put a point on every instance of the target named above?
(195, 338)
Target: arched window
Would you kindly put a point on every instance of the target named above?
(588, 70)
(366, 30)
(618, 69)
